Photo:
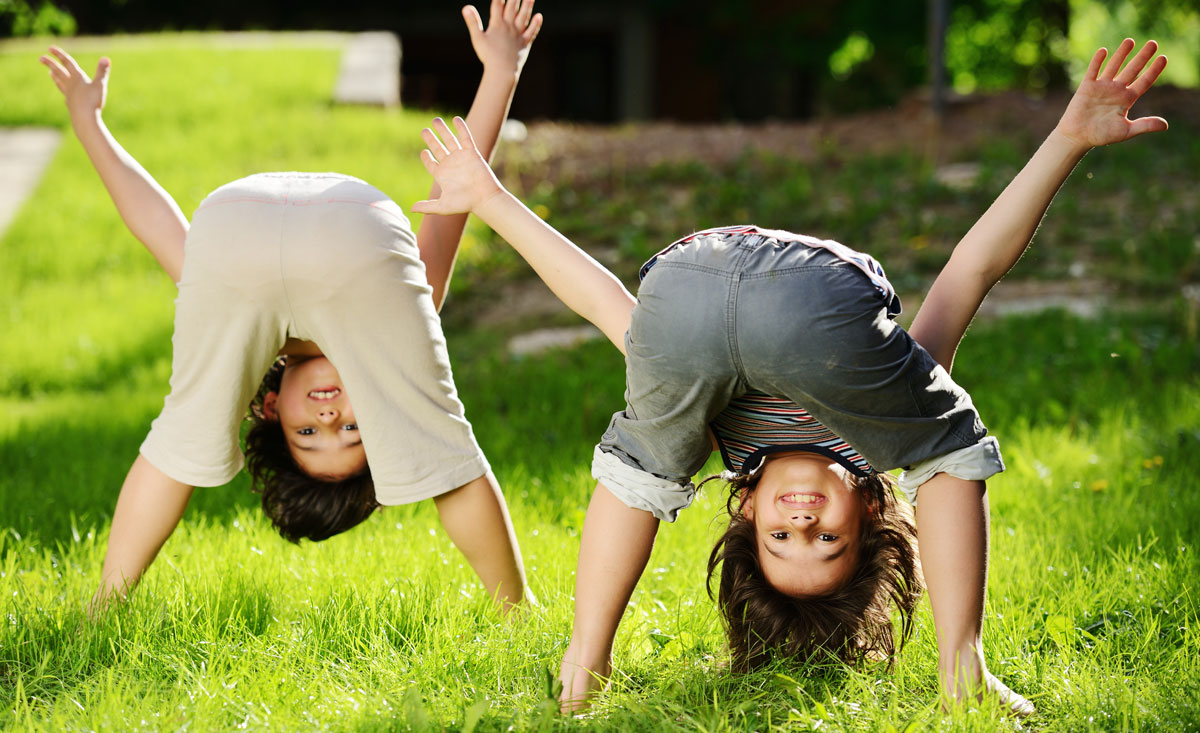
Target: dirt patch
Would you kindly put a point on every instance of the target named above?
(565, 151)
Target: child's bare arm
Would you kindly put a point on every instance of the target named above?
(476, 519)
(147, 210)
(502, 49)
(148, 510)
(1097, 115)
(468, 184)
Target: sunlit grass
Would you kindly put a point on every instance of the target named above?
(1091, 609)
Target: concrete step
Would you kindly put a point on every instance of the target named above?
(370, 71)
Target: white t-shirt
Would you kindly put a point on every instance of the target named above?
(324, 258)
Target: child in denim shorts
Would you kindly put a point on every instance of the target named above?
(733, 326)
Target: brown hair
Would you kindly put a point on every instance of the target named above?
(299, 505)
(852, 623)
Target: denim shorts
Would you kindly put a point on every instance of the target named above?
(728, 312)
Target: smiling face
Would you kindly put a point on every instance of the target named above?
(808, 520)
(317, 419)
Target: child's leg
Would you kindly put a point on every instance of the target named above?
(477, 520)
(952, 523)
(616, 546)
(148, 510)
(679, 373)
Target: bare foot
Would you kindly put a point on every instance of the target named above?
(968, 680)
(1015, 703)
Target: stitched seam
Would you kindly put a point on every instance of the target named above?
(240, 200)
(735, 282)
(798, 268)
(695, 268)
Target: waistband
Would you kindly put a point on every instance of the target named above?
(753, 235)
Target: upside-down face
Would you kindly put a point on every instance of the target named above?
(317, 419)
(808, 519)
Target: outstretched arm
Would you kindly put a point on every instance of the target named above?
(1097, 115)
(468, 184)
(147, 210)
(502, 49)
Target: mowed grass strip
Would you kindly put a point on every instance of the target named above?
(1091, 609)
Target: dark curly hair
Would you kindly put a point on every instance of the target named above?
(853, 623)
(299, 505)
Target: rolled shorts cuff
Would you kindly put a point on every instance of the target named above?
(638, 489)
(974, 463)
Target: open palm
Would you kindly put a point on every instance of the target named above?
(511, 28)
(1099, 112)
(82, 93)
(462, 175)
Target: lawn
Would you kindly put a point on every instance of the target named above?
(1092, 610)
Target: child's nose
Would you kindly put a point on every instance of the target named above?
(327, 415)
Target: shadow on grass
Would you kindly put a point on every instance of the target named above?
(63, 480)
(56, 649)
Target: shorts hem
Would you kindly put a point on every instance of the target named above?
(639, 489)
(192, 475)
(443, 482)
(977, 462)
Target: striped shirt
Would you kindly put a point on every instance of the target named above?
(755, 423)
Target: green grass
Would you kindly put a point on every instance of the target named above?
(1091, 609)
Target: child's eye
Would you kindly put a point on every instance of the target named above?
(781, 536)
(826, 537)
(307, 431)
(350, 426)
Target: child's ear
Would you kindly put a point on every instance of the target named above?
(268, 405)
(871, 505)
(744, 505)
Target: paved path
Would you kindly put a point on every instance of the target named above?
(24, 154)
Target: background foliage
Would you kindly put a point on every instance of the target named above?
(775, 59)
(1091, 606)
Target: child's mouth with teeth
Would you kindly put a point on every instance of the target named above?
(324, 394)
(809, 499)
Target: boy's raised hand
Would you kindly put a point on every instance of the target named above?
(83, 94)
(460, 171)
(511, 28)
(1098, 113)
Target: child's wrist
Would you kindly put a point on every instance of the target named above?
(1068, 143)
(85, 116)
(490, 200)
(501, 73)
